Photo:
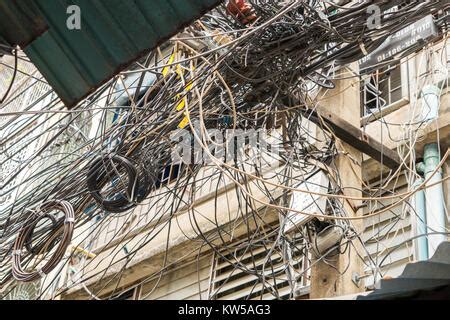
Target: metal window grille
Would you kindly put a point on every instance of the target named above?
(286, 273)
(385, 87)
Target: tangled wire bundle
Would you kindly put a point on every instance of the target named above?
(258, 69)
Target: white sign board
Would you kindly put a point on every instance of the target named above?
(306, 202)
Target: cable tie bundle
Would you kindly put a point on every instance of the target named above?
(41, 273)
(16, 253)
(69, 220)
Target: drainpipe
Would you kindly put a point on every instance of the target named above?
(435, 211)
(431, 95)
(421, 218)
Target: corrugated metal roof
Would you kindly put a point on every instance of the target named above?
(20, 22)
(113, 34)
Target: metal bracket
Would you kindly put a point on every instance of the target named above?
(356, 278)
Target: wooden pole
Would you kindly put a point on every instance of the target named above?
(336, 280)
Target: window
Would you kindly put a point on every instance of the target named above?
(285, 271)
(385, 88)
(387, 237)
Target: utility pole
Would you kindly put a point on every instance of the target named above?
(326, 280)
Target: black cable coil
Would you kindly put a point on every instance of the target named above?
(104, 169)
(17, 270)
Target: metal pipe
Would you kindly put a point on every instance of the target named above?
(431, 95)
(421, 219)
(435, 211)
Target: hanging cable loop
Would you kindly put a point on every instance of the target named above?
(18, 271)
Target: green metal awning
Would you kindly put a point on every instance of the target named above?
(114, 33)
(20, 22)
